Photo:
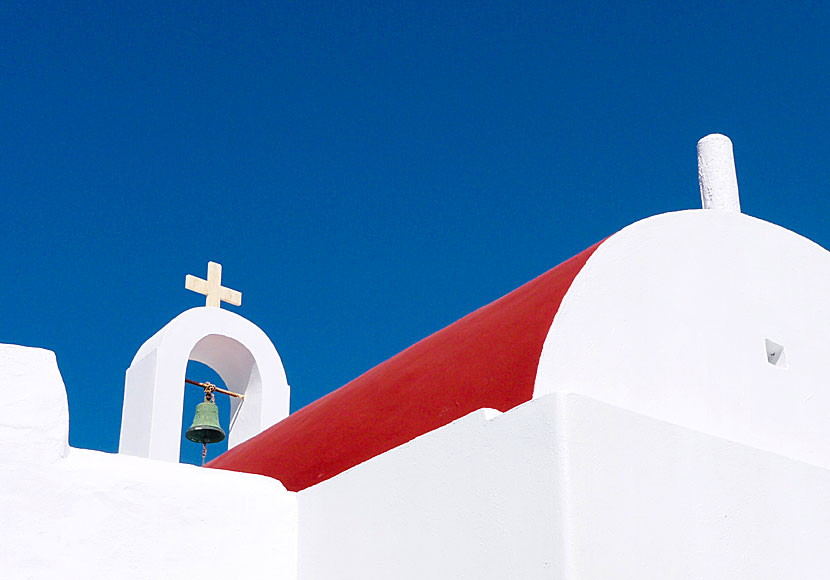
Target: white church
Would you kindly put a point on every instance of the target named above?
(657, 406)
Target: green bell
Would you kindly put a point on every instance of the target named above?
(205, 428)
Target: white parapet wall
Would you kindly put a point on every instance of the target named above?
(73, 513)
(474, 499)
(648, 499)
(34, 414)
(569, 488)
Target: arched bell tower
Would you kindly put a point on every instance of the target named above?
(239, 352)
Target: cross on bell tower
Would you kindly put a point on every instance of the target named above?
(212, 287)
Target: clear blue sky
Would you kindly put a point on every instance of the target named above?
(366, 173)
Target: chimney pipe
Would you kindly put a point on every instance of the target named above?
(716, 173)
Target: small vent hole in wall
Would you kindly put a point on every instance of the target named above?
(775, 354)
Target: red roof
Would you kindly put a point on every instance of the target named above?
(487, 359)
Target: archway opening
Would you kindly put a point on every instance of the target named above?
(190, 452)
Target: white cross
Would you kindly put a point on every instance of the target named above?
(212, 287)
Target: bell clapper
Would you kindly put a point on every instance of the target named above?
(206, 428)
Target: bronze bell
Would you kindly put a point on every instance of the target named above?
(205, 428)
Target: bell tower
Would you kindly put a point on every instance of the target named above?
(238, 350)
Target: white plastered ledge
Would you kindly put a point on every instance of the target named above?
(75, 513)
(673, 317)
(238, 350)
(34, 414)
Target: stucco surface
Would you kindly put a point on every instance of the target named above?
(648, 499)
(670, 317)
(73, 513)
(716, 174)
(478, 498)
(34, 414)
(566, 487)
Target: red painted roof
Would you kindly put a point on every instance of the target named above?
(487, 359)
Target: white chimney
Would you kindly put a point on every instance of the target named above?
(716, 173)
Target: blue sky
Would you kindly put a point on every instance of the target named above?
(366, 173)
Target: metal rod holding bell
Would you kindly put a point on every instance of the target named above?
(206, 428)
(215, 388)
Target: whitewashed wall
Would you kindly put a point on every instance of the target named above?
(648, 499)
(661, 443)
(565, 487)
(672, 317)
(72, 513)
(479, 498)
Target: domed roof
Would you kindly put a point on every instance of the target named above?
(488, 359)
